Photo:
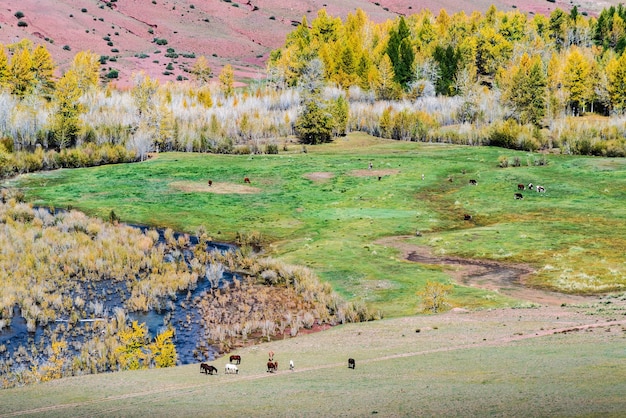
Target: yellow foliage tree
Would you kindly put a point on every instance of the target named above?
(43, 69)
(66, 118)
(201, 70)
(616, 74)
(435, 296)
(133, 340)
(54, 368)
(86, 65)
(163, 350)
(5, 74)
(22, 77)
(227, 80)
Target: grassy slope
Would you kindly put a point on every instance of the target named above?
(573, 233)
(512, 362)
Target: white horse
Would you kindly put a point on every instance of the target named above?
(231, 368)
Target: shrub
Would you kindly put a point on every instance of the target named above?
(66, 48)
(160, 41)
(83, 10)
(19, 14)
(22, 24)
(115, 50)
(112, 74)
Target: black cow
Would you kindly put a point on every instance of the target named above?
(351, 363)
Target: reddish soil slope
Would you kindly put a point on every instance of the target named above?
(239, 32)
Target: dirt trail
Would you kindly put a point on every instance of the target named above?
(505, 278)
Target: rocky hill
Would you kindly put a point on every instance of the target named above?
(162, 38)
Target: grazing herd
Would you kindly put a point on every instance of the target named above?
(272, 365)
(518, 196)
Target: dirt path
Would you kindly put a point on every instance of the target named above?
(505, 278)
(187, 390)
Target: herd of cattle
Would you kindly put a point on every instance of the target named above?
(517, 196)
(272, 365)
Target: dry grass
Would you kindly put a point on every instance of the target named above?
(509, 362)
(219, 188)
(319, 176)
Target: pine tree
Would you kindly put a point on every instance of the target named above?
(400, 52)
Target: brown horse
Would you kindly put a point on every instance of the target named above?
(246, 180)
(235, 358)
(272, 366)
(210, 183)
(207, 368)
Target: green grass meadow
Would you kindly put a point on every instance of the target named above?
(573, 235)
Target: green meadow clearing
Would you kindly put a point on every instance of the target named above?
(325, 209)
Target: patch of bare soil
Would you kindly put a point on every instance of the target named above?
(505, 278)
(319, 176)
(220, 188)
(376, 173)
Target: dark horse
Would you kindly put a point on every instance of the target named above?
(351, 363)
(246, 180)
(272, 366)
(235, 358)
(207, 368)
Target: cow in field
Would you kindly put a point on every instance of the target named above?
(473, 182)
(520, 187)
(467, 217)
(351, 363)
(518, 196)
(210, 183)
(272, 366)
(541, 189)
(530, 186)
(246, 180)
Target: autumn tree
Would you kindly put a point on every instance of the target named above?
(143, 94)
(67, 109)
(434, 296)
(86, 65)
(616, 75)
(22, 76)
(577, 81)
(201, 70)
(5, 73)
(163, 350)
(492, 51)
(43, 70)
(524, 90)
(133, 340)
(227, 81)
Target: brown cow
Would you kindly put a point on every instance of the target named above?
(246, 180)
(467, 217)
(520, 187)
(272, 366)
(210, 183)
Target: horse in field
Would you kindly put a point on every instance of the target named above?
(235, 358)
(231, 369)
(351, 363)
(210, 183)
(272, 366)
(207, 368)
(246, 180)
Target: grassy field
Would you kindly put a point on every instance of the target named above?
(326, 210)
(548, 361)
